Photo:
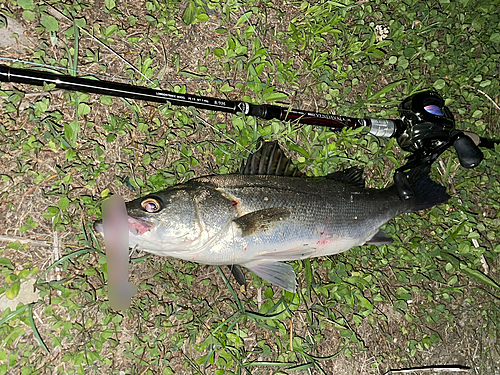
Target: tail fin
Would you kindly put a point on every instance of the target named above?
(427, 192)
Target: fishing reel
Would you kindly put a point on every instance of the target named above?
(427, 129)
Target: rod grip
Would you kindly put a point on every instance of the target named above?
(4, 73)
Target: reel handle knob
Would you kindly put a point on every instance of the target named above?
(468, 153)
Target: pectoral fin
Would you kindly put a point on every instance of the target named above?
(380, 238)
(262, 220)
(277, 273)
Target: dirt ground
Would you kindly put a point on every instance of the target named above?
(467, 342)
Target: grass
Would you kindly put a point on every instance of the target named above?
(430, 298)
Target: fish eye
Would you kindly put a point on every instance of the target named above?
(151, 205)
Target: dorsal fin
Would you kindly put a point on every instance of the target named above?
(269, 160)
(353, 176)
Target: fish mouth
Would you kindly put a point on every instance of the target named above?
(136, 226)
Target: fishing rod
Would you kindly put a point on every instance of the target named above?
(426, 127)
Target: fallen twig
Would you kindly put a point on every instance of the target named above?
(23, 240)
(430, 368)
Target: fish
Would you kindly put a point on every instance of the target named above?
(269, 214)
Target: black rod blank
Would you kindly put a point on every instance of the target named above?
(384, 128)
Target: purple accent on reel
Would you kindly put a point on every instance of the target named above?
(434, 110)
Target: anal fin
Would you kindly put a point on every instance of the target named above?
(277, 273)
(380, 238)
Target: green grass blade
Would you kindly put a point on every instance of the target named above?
(14, 314)
(479, 276)
(268, 364)
(254, 315)
(35, 330)
(304, 366)
(385, 90)
(228, 285)
(65, 258)
(308, 276)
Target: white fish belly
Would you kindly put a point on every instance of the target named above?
(286, 242)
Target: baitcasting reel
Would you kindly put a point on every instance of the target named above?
(427, 129)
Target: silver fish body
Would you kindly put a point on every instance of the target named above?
(257, 221)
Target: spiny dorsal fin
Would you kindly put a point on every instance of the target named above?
(269, 160)
(353, 176)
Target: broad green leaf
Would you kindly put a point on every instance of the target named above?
(226, 88)
(28, 15)
(403, 62)
(439, 84)
(6, 263)
(188, 16)
(364, 302)
(63, 203)
(106, 99)
(110, 4)
(71, 131)
(146, 159)
(82, 22)
(49, 22)
(203, 17)
(110, 30)
(26, 4)
(219, 52)
(13, 291)
(400, 304)
(273, 96)
(11, 278)
(495, 38)
(244, 18)
(83, 109)
(24, 273)
(477, 113)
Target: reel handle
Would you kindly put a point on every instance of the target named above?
(468, 153)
